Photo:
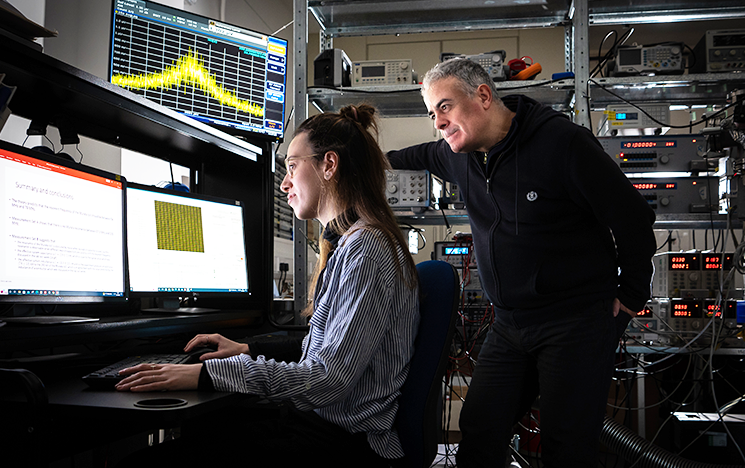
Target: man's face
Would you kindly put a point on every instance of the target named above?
(459, 118)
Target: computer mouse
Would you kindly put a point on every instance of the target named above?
(194, 354)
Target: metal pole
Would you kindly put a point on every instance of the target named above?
(300, 245)
(581, 59)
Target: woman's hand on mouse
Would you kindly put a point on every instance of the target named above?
(160, 377)
(224, 347)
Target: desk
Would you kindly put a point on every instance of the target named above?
(82, 420)
(75, 399)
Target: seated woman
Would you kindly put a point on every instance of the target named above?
(363, 320)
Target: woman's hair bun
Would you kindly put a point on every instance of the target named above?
(363, 114)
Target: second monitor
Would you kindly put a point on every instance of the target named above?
(184, 246)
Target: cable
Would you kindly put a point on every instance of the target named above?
(703, 120)
(619, 42)
(600, 49)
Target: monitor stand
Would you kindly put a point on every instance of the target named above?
(173, 306)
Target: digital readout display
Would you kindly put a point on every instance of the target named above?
(455, 250)
(714, 261)
(627, 115)
(711, 307)
(728, 40)
(686, 309)
(648, 144)
(373, 71)
(684, 262)
(656, 186)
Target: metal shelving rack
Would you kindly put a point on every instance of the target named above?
(339, 18)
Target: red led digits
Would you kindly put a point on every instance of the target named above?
(681, 310)
(647, 144)
(679, 263)
(712, 262)
(711, 309)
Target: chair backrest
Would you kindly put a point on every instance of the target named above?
(418, 421)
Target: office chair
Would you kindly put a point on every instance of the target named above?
(419, 421)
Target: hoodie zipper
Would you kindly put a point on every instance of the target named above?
(486, 172)
(486, 169)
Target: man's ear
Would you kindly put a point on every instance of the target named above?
(485, 95)
(330, 164)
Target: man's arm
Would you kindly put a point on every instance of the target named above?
(599, 183)
(431, 156)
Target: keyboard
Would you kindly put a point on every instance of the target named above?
(108, 377)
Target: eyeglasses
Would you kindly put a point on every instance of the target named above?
(290, 163)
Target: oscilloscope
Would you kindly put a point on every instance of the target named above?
(226, 76)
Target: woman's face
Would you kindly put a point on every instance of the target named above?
(303, 182)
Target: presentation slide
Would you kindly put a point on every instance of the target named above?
(61, 231)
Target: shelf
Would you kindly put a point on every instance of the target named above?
(432, 217)
(366, 18)
(701, 89)
(406, 101)
(663, 11)
(663, 221)
(52, 91)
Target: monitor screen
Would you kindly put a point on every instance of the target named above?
(226, 76)
(184, 245)
(62, 236)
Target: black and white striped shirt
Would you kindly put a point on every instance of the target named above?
(356, 354)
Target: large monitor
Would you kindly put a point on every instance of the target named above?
(224, 75)
(62, 234)
(184, 246)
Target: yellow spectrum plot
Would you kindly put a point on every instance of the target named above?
(190, 70)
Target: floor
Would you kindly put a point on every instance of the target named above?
(446, 457)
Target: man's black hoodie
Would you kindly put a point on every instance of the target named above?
(555, 222)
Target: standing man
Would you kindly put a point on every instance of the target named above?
(564, 245)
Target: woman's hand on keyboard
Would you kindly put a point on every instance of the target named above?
(160, 377)
(225, 347)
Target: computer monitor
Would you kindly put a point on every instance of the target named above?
(184, 246)
(62, 235)
(224, 75)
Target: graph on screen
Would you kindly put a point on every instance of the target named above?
(211, 71)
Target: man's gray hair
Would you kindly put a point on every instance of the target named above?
(470, 76)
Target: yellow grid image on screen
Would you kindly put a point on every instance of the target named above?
(179, 227)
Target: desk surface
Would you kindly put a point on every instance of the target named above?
(79, 419)
(74, 397)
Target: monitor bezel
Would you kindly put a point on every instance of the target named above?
(248, 135)
(194, 295)
(75, 298)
